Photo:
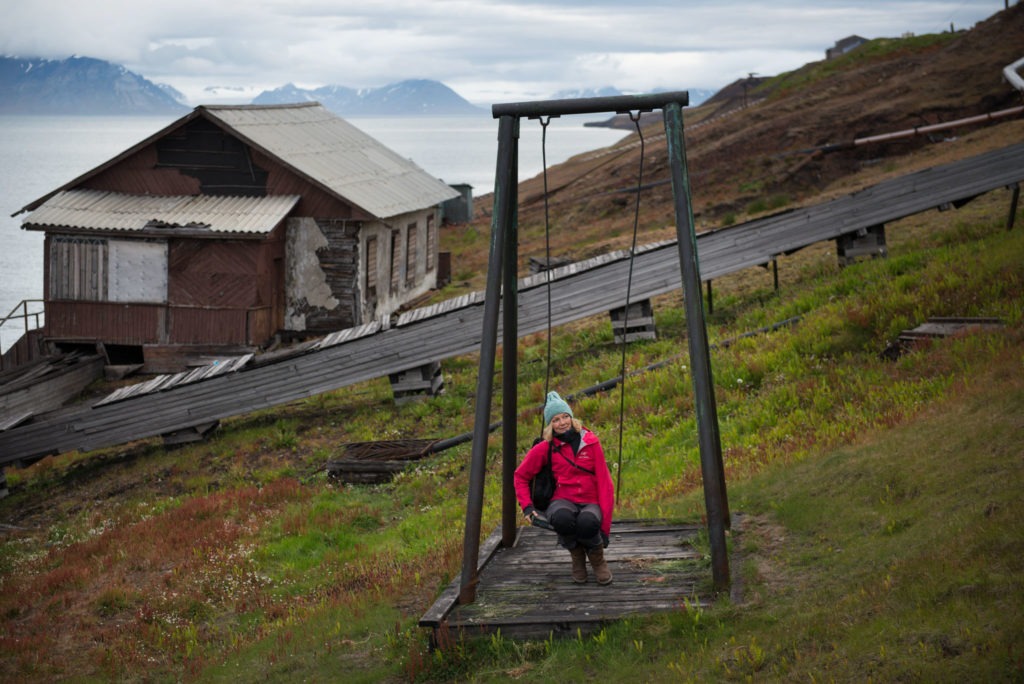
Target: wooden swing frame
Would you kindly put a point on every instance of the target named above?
(501, 296)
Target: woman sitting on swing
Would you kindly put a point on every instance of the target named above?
(581, 508)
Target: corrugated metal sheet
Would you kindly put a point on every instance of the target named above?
(165, 382)
(330, 151)
(94, 210)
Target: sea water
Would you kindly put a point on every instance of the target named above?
(38, 154)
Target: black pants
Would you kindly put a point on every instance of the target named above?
(576, 524)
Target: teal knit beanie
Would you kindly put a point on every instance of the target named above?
(555, 405)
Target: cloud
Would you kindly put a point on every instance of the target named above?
(487, 50)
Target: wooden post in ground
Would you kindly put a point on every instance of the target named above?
(712, 469)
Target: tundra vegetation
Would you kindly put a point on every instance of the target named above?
(877, 500)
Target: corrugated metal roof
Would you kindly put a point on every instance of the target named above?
(332, 152)
(95, 209)
(317, 145)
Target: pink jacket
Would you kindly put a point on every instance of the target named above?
(572, 483)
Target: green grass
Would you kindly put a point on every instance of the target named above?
(877, 503)
(871, 51)
(900, 558)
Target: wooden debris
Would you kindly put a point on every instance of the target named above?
(637, 325)
(421, 382)
(938, 327)
(195, 433)
(45, 385)
(377, 462)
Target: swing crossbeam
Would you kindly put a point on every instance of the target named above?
(501, 294)
(619, 104)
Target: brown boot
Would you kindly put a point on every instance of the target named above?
(600, 565)
(579, 565)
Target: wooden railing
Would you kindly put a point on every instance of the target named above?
(30, 319)
(25, 314)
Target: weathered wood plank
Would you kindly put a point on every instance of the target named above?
(527, 589)
(450, 596)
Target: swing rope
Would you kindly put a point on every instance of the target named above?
(629, 287)
(544, 121)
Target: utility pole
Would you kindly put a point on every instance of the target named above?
(746, 84)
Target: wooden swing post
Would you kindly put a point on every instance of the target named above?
(711, 465)
(502, 222)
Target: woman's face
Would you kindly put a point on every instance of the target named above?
(561, 422)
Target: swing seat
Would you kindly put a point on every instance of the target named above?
(541, 521)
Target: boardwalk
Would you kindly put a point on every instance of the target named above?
(526, 590)
(453, 328)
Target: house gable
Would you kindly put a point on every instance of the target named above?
(228, 150)
(843, 46)
(219, 161)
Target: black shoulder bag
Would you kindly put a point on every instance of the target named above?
(542, 486)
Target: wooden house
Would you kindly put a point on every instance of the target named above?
(230, 228)
(843, 46)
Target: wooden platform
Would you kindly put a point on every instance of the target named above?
(526, 590)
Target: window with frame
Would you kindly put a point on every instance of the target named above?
(371, 269)
(431, 243)
(410, 254)
(78, 268)
(396, 247)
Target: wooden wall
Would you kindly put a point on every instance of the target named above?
(339, 261)
(114, 322)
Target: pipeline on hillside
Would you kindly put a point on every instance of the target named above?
(919, 130)
(608, 385)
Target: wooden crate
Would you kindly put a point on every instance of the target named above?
(638, 325)
(417, 383)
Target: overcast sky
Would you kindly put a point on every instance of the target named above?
(228, 51)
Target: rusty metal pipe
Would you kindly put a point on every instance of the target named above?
(918, 130)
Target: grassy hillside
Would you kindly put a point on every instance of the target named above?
(878, 529)
(878, 504)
